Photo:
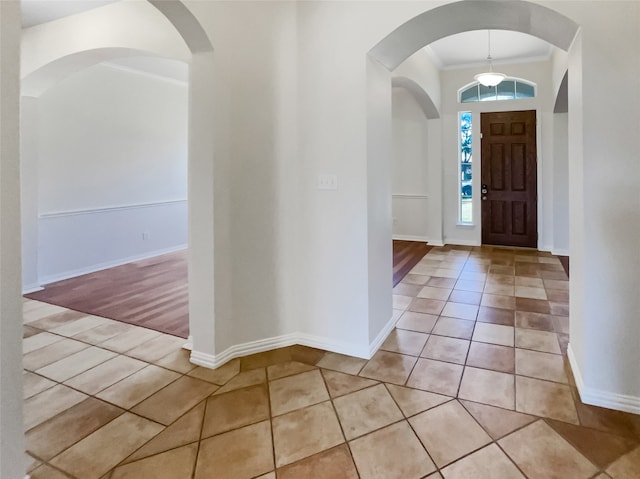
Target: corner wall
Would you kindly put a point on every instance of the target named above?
(12, 457)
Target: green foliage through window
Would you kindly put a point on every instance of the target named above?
(466, 163)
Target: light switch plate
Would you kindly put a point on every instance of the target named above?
(327, 182)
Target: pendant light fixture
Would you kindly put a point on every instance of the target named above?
(490, 78)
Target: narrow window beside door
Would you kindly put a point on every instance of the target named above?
(465, 158)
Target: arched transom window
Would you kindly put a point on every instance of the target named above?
(507, 89)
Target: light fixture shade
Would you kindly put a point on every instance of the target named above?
(490, 79)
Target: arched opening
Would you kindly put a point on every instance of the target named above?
(104, 184)
(180, 38)
(388, 55)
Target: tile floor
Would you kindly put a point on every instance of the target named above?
(473, 383)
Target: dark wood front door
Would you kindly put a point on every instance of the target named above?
(509, 173)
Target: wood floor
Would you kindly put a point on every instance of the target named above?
(406, 254)
(151, 293)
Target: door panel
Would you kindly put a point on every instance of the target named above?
(509, 170)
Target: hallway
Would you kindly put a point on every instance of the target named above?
(473, 382)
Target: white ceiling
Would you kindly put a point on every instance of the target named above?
(471, 48)
(35, 12)
(468, 49)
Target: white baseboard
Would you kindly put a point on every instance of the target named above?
(422, 239)
(462, 242)
(595, 397)
(382, 335)
(216, 360)
(31, 288)
(108, 264)
(560, 252)
(189, 344)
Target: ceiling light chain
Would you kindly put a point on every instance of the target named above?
(490, 78)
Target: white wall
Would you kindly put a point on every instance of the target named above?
(12, 456)
(410, 168)
(561, 196)
(111, 170)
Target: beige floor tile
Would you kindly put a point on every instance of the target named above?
(401, 302)
(414, 401)
(488, 387)
(418, 279)
(455, 328)
(296, 392)
(51, 321)
(546, 399)
(389, 367)
(540, 365)
(407, 289)
(75, 364)
(173, 401)
(31, 462)
(466, 297)
(627, 466)
(556, 284)
(129, 339)
(49, 403)
(529, 282)
(335, 463)
(391, 453)
(528, 292)
(447, 273)
(542, 454)
(290, 368)
(496, 421)
(499, 289)
(460, 311)
(420, 322)
(102, 450)
(140, 385)
(244, 379)
(405, 342)
(487, 463)
(106, 374)
(47, 472)
(427, 306)
(80, 325)
(177, 361)
(543, 341)
(50, 354)
(236, 409)
(537, 321)
(447, 283)
(102, 333)
(436, 376)
(492, 356)
(494, 334)
(467, 285)
(498, 301)
(39, 340)
(53, 436)
(342, 363)
(435, 475)
(156, 348)
(305, 432)
(219, 375)
(442, 348)
(431, 292)
(473, 276)
(448, 432)
(33, 384)
(367, 410)
(339, 384)
(167, 465)
(504, 279)
(183, 431)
